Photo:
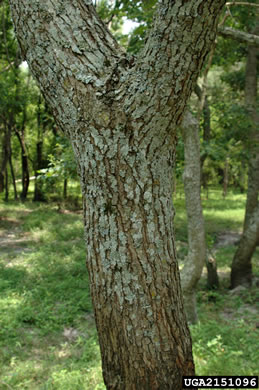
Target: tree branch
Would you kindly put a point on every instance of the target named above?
(241, 3)
(238, 35)
(178, 32)
(73, 54)
(7, 67)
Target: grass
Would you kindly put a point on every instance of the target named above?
(47, 333)
(48, 339)
(220, 214)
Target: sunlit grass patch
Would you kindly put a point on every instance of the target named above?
(44, 294)
(48, 338)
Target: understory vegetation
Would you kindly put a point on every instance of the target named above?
(48, 339)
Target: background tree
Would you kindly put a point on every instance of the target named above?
(9, 64)
(241, 272)
(244, 80)
(191, 273)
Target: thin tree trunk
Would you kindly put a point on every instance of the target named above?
(242, 177)
(25, 165)
(225, 177)
(5, 155)
(38, 190)
(13, 177)
(122, 116)
(195, 261)
(6, 185)
(212, 278)
(241, 271)
(65, 189)
(206, 133)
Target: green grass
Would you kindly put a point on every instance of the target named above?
(48, 339)
(220, 214)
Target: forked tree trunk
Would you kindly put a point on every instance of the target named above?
(241, 271)
(191, 273)
(121, 118)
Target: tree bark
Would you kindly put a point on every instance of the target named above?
(121, 118)
(241, 271)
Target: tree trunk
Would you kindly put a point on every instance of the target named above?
(5, 155)
(212, 274)
(25, 165)
(6, 185)
(241, 179)
(13, 176)
(195, 261)
(122, 118)
(225, 177)
(38, 191)
(131, 261)
(241, 271)
(65, 189)
(206, 132)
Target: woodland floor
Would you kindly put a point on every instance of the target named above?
(48, 338)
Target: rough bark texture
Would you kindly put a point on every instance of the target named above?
(241, 271)
(121, 118)
(191, 273)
